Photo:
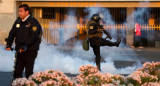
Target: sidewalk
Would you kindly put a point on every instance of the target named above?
(134, 54)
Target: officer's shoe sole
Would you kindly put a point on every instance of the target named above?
(118, 42)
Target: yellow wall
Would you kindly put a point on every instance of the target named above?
(7, 6)
(87, 0)
(93, 4)
(7, 17)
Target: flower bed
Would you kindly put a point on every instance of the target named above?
(148, 75)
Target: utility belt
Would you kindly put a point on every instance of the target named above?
(96, 35)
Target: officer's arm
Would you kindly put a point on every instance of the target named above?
(35, 34)
(12, 35)
(108, 35)
(104, 31)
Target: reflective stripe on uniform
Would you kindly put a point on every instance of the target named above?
(96, 35)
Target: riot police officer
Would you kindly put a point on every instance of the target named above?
(27, 34)
(95, 32)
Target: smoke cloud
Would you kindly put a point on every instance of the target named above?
(54, 57)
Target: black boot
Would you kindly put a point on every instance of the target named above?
(117, 42)
(99, 68)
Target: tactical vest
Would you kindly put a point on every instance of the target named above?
(99, 34)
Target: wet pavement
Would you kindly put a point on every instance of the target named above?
(141, 55)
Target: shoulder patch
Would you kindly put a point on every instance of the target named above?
(17, 25)
(34, 28)
(91, 27)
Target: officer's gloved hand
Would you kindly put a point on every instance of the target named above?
(6, 39)
(101, 26)
(8, 47)
(23, 49)
(110, 37)
(101, 29)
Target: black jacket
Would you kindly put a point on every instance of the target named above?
(94, 27)
(27, 33)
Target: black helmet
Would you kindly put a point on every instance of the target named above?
(95, 17)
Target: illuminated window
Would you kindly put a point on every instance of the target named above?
(151, 21)
(118, 15)
(48, 13)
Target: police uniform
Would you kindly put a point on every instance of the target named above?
(95, 37)
(27, 34)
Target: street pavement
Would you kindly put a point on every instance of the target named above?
(141, 55)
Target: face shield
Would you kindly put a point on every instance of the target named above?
(101, 15)
(97, 17)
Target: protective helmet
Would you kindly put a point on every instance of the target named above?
(95, 17)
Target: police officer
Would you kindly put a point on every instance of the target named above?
(27, 34)
(95, 32)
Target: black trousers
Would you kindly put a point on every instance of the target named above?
(24, 60)
(96, 43)
(138, 42)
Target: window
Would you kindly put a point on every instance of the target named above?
(48, 13)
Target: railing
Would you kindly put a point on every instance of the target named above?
(117, 28)
(150, 27)
(123, 27)
(55, 34)
(151, 35)
(82, 27)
